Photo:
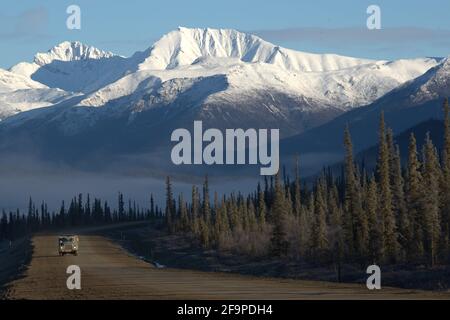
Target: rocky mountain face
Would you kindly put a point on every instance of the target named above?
(77, 103)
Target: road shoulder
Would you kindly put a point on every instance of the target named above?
(14, 261)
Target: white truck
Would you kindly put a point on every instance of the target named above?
(68, 244)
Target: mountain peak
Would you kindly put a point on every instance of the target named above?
(184, 46)
(71, 51)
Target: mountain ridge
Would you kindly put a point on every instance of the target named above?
(404, 107)
(227, 79)
(343, 81)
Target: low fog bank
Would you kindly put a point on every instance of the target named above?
(22, 177)
(15, 190)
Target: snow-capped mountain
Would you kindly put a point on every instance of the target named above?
(412, 103)
(433, 84)
(226, 78)
(19, 93)
(10, 81)
(74, 67)
(184, 47)
(248, 62)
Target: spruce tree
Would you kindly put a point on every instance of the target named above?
(349, 194)
(389, 226)
(445, 188)
(261, 211)
(170, 210)
(107, 211)
(306, 222)
(243, 215)
(204, 232)
(235, 219)
(297, 194)
(252, 222)
(355, 221)
(375, 245)
(184, 220)
(206, 207)
(224, 218)
(62, 214)
(288, 202)
(279, 238)
(195, 223)
(87, 209)
(319, 240)
(430, 202)
(121, 207)
(336, 235)
(3, 226)
(221, 227)
(152, 205)
(413, 196)
(399, 204)
(360, 224)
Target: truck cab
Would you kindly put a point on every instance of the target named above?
(68, 244)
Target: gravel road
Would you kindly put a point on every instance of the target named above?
(109, 272)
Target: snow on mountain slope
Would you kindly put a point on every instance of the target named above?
(246, 60)
(364, 84)
(71, 51)
(10, 81)
(184, 46)
(346, 88)
(342, 81)
(225, 78)
(433, 84)
(19, 93)
(28, 99)
(414, 102)
(65, 51)
(245, 64)
(75, 67)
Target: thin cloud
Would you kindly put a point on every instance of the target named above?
(356, 35)
(130, 42)
(31, 23)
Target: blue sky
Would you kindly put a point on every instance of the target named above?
(409, 28)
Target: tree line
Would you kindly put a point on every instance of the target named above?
(79, 212)
(390, 215)
(395, 214)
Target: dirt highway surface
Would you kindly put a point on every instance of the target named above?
(109, 272)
